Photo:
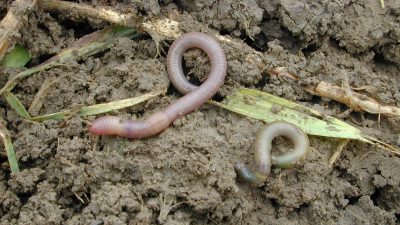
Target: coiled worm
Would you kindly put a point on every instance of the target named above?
(263, 146)
(194, 96)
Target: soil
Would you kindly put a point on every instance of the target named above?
(185, 174)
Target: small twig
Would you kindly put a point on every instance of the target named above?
(338, 151)
(345, 114)
(37, 102)
(282, 72)
(354, 100)
(79, 198)
(345, 95)
(166, 207)
(86, 197)
(83, 11)
(11, 23)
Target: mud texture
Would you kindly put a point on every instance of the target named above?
(185, 175)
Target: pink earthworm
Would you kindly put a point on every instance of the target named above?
(194, 96)
(263, 146)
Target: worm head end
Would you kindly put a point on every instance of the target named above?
(105, 125)
(94, 129)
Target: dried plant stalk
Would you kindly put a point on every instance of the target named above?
(335, 155)
(38, 101)
(354, 100)
(84, 11)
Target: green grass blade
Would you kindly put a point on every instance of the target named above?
(13, 101)
(269, 108)
(12, 159)
(99, 108)
(17, 57)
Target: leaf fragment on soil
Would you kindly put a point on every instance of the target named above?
(82, 10)
(12, 159)
(97, 109)
(269, 108)
(13, 101)
(17, 57)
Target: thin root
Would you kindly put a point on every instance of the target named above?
(338, 151)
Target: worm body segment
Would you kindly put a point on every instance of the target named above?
(263, 146)
(194, 96)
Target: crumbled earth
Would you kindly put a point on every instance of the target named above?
(185, 174)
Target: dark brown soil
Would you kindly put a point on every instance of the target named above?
(185, 174)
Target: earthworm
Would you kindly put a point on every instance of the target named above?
(195, 96)
(263, 146)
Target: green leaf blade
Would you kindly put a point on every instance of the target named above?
(17, 57)
(98, 109)
(269, 108)
(13, 101)
(11, 156)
